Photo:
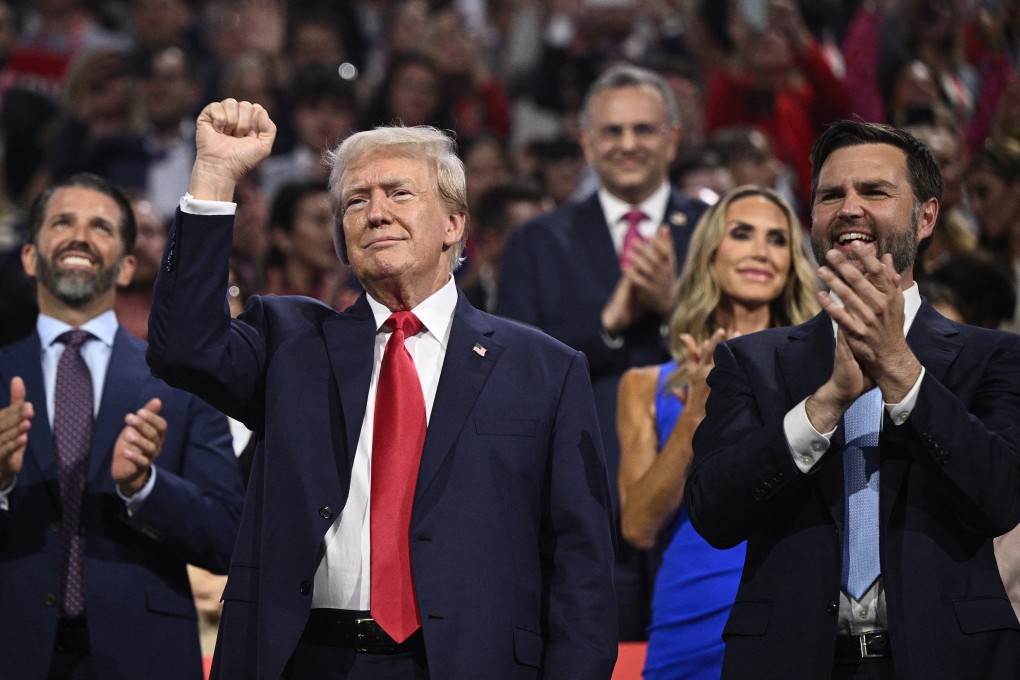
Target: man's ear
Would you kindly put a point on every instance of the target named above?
(456, 223)
(127, 270)
(28, 257)
(926, 220)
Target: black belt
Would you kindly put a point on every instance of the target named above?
(871, 645)
(354, 630)
(72, 636)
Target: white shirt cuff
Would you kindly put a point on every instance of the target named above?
(4, 493)
(134, 503)
(807, 445)
(198, 206)
(899, 413)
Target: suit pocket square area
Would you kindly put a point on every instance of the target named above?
(748, 618)
(528, 647)
(980, 615)
(508, 427)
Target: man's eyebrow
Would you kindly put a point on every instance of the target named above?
(388, 183)
(68, 214)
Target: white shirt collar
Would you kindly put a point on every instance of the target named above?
(654, 206)
(104, 327)
(435, 312)
(911, 305)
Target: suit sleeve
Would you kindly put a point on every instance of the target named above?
(967, 440)
(193, 344)
(578, 541)
(743, 474)
(195, 510)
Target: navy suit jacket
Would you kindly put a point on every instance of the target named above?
(557, 274)
(511, 539)
(950, 482)
(138, 604)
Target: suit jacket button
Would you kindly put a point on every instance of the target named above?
(55, 526)
(50, 599)
(305, 587)
(326, 512)
(831, 608)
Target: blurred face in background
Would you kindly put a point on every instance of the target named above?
(149, 243)
(995, 203)
(630, 142)
(414, 95)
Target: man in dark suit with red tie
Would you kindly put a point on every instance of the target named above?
(600, 275)
(428, 496)
(111, 482)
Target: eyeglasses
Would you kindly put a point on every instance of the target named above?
(641, 131)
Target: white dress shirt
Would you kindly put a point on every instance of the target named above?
(343, 578)
(807, 446)
(616, 210)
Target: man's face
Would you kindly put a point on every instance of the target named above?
(396, 228)
(78, 256)
(323, 124)
(630, 144)
(864, 195)
(150, 243)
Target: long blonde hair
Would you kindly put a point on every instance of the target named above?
(699, 294)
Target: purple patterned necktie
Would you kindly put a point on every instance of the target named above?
(72, 439)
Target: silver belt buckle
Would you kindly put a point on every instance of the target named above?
(865, 654)
(359, 624)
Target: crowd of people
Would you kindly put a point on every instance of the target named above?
(646, 181)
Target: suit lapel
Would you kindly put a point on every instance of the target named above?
(680, 225)
(465, 370)
(806, 363)
(350, 340)
(590, 235)
(125, 375)
(26, 362)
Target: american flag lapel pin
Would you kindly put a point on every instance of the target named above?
(479, 350)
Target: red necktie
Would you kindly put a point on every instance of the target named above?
(72, 439)
(397, 439)
(633, 238)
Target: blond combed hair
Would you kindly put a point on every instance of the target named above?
(699, 294)
(419, 142)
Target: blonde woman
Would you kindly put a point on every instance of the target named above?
(746, 270)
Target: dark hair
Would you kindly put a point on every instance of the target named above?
(85, 180)
(379, 112)
(492, 206)
(984, 288)
(316, 83)
(922, 171)
(284, 210)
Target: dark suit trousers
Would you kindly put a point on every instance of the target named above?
(864, 669)
(323, 662)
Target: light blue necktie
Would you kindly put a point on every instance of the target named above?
(861, 424)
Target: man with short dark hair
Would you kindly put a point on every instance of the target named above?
(111, 482)
(870, 456)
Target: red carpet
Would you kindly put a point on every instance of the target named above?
(628, 666)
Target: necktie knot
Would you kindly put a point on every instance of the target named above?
(634, 217)
(632, 238)
(405, 322)
(74, 339)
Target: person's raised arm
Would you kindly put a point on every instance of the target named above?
(231, 138)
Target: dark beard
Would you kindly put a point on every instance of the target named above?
(901, 245)
(75, 288)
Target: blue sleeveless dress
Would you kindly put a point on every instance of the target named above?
(695, 586)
